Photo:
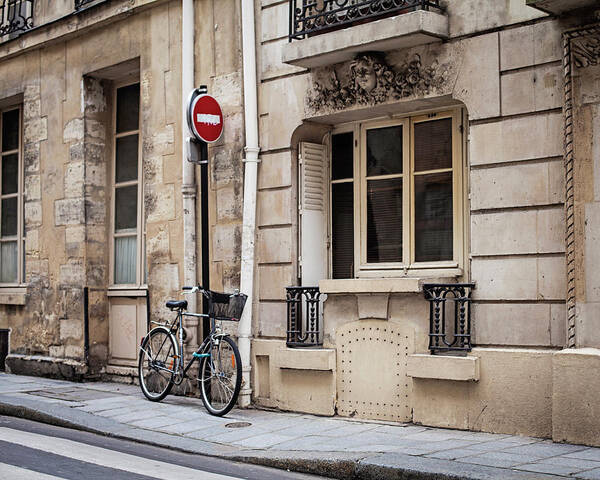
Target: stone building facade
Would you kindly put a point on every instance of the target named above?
(95, 88)
(516, 83)
(449, 142)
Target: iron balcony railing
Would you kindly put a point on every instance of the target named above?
(309, 17)
(16, 16)
(303, 317)
(449, 300)
(79, 4)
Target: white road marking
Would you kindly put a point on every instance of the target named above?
(17, 473)
(105, 457)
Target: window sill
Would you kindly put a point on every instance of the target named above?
(13, 295)
(382, 285)
(127, 292)
(443, 367)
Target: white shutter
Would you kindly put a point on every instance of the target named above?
(312, 205)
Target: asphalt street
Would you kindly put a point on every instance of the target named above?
(30, 450)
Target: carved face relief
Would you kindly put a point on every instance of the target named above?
(369, 80)
(365, 76)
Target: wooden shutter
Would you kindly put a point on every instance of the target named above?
(312, 206)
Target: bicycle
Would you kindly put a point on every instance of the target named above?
(161, 362)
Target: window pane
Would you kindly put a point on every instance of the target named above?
(125, 207)
(125, 259)
(9, 216)
(127, 159)
(433, 217)
(8, 262)
(433, 145)
(10, 130)
(10, 174)
(342, 230)
(384, 220)
(384, 151)
(128, 108)
(342, 156)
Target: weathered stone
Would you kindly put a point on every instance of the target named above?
(512, 324)
(275, 170)
(226, 240)
(274, 207)
(530, 45)
(73, 351)
(72, 273)
(74, 178)
(274, 245)
(272, 281)
(95, 129)
(160, 203)
(532, 90)
(229, 204)
(74, 240)
(74, 130)
(69, 211)
(32, 188)
(35, 130)
(71, 328)
(272, 319)
(31, 158)
(514, 139)
(33, 214)
(539, 183)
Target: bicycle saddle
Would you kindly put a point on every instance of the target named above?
(177, 304)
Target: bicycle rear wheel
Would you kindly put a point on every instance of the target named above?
(156, 367)
(220, 376)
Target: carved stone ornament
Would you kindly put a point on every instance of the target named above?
(371, 81)
(586, 51)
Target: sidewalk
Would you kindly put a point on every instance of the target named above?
(335, 447)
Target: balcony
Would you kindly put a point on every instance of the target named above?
(323, 32)
(559, 7)
(16, 17)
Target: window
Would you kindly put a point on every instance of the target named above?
(396, 196)
(127, 201)
(12, 236)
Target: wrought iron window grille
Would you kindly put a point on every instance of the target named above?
(16, 16)
(303, 317)
(446, 335)
(308, 17)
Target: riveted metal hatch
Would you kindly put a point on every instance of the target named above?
(371, 370)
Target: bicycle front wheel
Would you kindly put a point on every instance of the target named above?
(156, 368)
(220, 376)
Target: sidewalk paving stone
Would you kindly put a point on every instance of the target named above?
(546, 468)
(590, 475)
(325, 445)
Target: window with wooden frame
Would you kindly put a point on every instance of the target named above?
(395, 200)
(12, 237)
(128, 242)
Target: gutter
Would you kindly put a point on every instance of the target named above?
(250, 185)
(188, 186)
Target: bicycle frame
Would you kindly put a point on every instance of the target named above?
(177, 323)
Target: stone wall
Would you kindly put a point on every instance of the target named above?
(67, 90)
(503, 64)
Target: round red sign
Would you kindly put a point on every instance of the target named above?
(207, 118)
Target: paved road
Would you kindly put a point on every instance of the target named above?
(30, 450)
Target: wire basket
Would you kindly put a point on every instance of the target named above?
(224, 306)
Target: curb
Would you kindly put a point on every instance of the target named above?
(339, 465)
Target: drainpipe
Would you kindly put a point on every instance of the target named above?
(188, 187)
(250, 179)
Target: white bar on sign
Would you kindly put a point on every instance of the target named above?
(208, 118)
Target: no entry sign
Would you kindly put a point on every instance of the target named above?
(206, 118)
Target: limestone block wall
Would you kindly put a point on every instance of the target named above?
(503, 63)
(66, 89)
(517, 195)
